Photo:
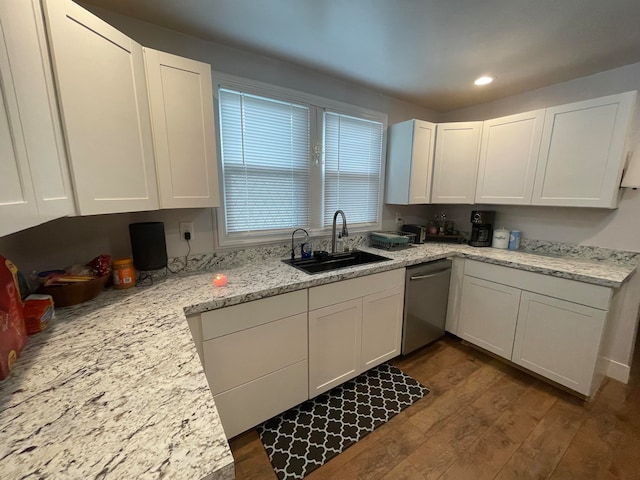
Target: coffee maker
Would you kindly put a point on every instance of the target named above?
(481, 228)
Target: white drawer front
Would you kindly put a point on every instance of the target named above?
(338, 292)
(223, 321)
(246, 406)
(238, 358)
(578, 292)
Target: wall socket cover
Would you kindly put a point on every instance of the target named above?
(186, 227)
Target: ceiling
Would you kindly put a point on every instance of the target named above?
(427, 52)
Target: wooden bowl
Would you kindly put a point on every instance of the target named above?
(75, 293)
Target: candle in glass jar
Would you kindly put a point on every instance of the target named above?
(219, 279)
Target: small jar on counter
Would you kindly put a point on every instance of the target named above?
(514, 240)
(124, 275)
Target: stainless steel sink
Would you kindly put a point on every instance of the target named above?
(334, 261)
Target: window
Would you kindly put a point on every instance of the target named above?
(352, 159)
(291, 160)
(265, 145)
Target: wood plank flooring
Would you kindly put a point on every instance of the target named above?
(484, 420)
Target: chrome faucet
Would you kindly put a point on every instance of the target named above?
(345, 232)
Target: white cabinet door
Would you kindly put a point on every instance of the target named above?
(508, 157)
(488, 315)
(455, 294)
(105, 111)
(181, 102)
(18, 207)
(456, 162)
(381, 327)
(410, 162)
(39, 117)
(559, 340)
(335, 339)
(582, 152)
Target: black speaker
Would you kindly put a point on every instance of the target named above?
(148, 246)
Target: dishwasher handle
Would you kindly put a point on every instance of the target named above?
(420, 277)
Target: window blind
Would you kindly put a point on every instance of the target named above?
(265, 162)
(352, 162)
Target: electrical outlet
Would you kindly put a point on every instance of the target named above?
(398, 219)
(184, 228)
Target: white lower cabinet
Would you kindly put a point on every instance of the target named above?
(381, 327)
(558, 339)
(354, 325)
(488, 314)
(335, 340)
(255, 358)
(548, 325)
(266, 356)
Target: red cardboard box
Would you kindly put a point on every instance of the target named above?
(13, 334)
(38, 311)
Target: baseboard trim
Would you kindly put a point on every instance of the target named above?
(618, 371)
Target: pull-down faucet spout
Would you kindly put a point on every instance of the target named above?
(344, 233)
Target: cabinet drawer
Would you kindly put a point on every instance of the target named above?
(345, 290)
(224, 321)
(246, 406)
(234, 359)
(578, 292)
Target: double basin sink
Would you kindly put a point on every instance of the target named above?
(325, 262)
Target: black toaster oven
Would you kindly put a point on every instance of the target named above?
(419, 230)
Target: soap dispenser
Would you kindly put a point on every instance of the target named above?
(339, 243)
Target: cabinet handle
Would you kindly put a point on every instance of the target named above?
(439, 272)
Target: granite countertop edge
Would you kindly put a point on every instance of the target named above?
(593, 272)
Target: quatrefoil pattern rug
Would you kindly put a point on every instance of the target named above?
(305, 437)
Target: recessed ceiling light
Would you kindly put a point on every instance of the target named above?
(484, 80)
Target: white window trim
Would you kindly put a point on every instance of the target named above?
(221, 240)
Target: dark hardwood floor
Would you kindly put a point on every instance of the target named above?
(484, 420)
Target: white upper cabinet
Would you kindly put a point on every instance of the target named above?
(508, 157)
(181, 102)
(582, 152)
(410, 162)
(34, 179)
(18, 207)
(103, 95)
(456, 162)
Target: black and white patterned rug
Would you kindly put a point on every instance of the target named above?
(304, 437)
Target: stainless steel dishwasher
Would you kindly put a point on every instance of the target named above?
(425, 303)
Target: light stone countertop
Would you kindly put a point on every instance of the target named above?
(115, 389)
(265, 278)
